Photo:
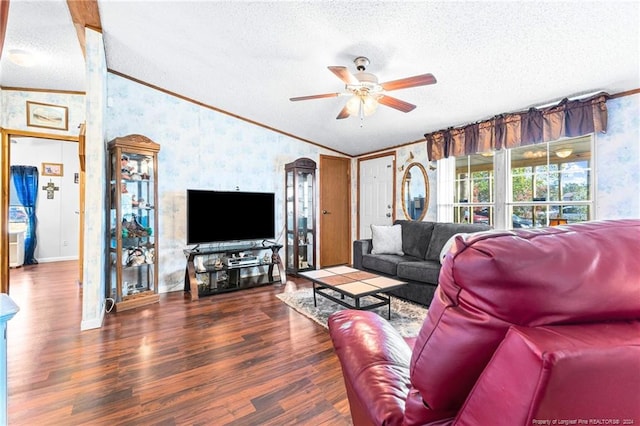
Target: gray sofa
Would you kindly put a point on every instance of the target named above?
(422, 243)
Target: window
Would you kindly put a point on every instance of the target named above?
(17, 213)
(552, 180)
(473, 201)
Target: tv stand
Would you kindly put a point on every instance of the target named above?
(204, 276)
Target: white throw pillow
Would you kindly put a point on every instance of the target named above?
(387, 239)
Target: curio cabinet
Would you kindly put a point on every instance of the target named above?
(300, 216)
(133, 222)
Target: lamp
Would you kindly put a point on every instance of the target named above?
(22, 57)
(362, 105)
(564, 152)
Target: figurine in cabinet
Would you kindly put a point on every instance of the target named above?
(125, 167)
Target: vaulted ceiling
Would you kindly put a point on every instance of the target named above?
(249, 58)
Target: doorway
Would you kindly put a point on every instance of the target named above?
(40, 138)
(376, 193)
(335, 217)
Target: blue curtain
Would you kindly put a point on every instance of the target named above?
(25, 180)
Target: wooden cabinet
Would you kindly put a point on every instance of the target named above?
(16, 244)
(133, 220)
(300, 216)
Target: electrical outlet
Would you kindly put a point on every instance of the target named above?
(65, 243)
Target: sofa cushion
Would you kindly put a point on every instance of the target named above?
(423, 270)
(386, 239)
(578, 273)
(385, 263)
(442, 232)
(415, 237)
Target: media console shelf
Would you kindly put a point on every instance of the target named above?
(205, 276)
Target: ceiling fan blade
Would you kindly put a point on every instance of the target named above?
(325, 95)
(403, 83)
(343, 114)
(344, 75)
(396, 103)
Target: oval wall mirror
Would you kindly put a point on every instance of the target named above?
(415, 192)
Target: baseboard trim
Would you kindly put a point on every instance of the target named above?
(56, 259)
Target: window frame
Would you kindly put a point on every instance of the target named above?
(502, 175)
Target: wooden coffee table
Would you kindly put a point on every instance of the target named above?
(354, 283)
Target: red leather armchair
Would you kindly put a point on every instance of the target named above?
(528, 327)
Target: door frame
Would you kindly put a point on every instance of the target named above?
(5, 173)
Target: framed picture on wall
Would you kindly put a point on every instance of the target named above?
(47, 116)
(52, 169)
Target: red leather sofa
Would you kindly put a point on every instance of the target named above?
(527, 327)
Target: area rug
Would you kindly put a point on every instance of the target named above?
(406, 317)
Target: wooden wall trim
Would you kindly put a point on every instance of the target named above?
(4, 17)
(623, 94)
(4, 213)
(32, 134)
(28, 89)
(84, 14)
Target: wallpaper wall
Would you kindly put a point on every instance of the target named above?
(618, 161)
(93, 295)
(14, 113)
(200, 149)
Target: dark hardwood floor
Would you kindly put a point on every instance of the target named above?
(242, 358)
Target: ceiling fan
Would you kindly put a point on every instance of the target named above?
(365, 91)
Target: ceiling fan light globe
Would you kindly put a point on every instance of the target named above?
(353, 105)
(368, 103)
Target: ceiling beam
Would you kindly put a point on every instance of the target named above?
(4, 17)
(84, 14)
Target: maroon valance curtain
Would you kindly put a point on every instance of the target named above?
(566, 119)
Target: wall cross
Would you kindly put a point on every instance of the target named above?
(50, 187)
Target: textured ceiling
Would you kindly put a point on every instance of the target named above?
(249, 58)
(45, 29)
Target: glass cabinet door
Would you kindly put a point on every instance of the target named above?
(304, 217)
(290, 210)
(300, 215)
(133, 222)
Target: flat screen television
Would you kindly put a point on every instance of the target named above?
(219, 216)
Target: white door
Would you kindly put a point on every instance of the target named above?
(376, 193)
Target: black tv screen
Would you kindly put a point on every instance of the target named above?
(217, 216)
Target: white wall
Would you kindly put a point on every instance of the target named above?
(57, 231)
